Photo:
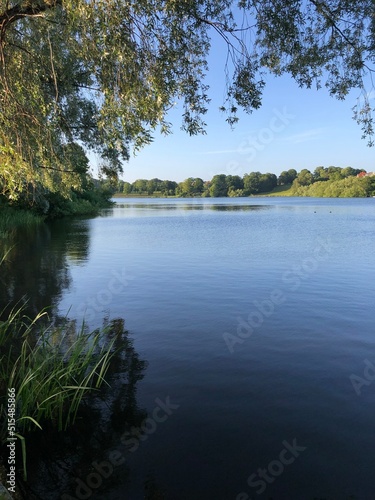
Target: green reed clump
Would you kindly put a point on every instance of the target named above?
(51, 369)
(13, 218)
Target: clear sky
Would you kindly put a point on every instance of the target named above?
(294, 128)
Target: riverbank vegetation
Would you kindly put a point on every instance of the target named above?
(50, 369)
(44, 202)
(11, 219)
(322, 182)
(24, 210)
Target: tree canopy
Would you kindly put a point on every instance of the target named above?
(102, 75)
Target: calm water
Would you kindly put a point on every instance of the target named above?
(252, 329)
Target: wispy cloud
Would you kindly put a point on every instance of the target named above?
(305, 136)
(219, 152)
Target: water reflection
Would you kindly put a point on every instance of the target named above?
(91, 456)
(239, 208)
(36, 268)
(37, 273)
(192, 206)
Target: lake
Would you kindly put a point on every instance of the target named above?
(251, 357)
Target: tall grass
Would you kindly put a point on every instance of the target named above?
(11, 219)
(51, 371)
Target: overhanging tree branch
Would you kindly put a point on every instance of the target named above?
(20, 11)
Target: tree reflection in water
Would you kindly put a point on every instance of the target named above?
(36, 273)
(36, 269)
(58, 463)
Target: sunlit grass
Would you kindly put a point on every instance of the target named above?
(285, 190)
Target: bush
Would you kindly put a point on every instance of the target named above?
(13, 218)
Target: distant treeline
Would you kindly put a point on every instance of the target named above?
(330, 181)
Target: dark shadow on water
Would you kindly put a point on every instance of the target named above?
(36, 269)
(36, 274)
(240, 208)
(89, 460)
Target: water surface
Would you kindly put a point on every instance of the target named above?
(255, 317)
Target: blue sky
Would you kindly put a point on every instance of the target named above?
(294, 128)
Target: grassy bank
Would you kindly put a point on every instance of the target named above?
(285, 190)
(90, 203)
(12, 218)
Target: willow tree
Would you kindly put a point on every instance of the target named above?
(101, 75)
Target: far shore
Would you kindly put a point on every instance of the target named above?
(278, 191)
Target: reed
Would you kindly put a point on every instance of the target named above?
(51, 369)
(12, 218)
